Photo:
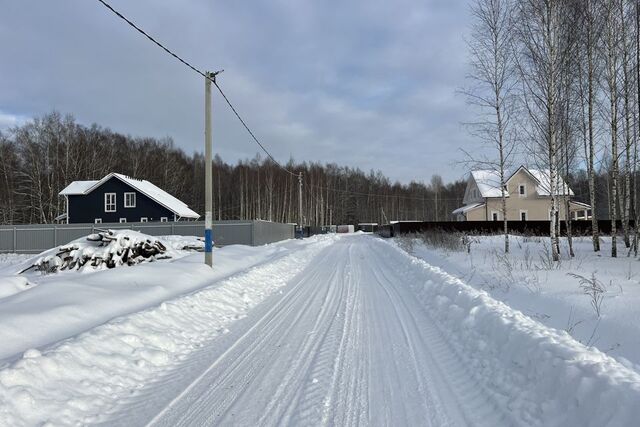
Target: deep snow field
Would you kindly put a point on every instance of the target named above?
(525, 280)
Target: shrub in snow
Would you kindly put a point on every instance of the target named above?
(105, 249)
(593, 288)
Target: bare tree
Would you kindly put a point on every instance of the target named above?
(628, 131)
(543, 55)
(590, 29)
(612, 53)
(492, 74)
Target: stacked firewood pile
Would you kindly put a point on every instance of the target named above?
(105, 249)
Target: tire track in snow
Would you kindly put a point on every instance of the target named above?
(239, 369)
(254, 351)
(476, 408)
(348, 345)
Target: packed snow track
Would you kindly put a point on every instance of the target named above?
(344, 331)
(346, 345)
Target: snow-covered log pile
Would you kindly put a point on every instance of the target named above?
(184, 243)
(105, 249)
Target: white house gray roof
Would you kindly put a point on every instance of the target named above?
(145, 187)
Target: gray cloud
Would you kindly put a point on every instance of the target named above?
(366, 83)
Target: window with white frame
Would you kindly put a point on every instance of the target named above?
(109, 202)
(494, 216)
(123, 220)
(144, 219)
(97, 221)
(129, 200)
(522, 190)
(164, 219)
(524, 215)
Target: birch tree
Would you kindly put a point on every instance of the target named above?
(543, 56)
(492, 76)
(590, 30)
(612, 54)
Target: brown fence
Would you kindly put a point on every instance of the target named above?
(533, 228)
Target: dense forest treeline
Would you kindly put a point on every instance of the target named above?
(41, 157)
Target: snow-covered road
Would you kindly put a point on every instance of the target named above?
(346, 330)
(347, 344)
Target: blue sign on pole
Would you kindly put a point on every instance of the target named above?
(208, 240)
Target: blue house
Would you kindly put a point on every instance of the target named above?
(119, 198)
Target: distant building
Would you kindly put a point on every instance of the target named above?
(528, 197)
(368, 227)
(119, 198)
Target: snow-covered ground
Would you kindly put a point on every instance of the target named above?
(39, 309)
(332, 330)
(551, 294)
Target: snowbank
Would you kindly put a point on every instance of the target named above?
(77, 381)
(551, 294)
(189, 243)
(11, 285)
(542, 375)
(57, 306)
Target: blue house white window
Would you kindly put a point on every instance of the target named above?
(109, 202)
(129, 200)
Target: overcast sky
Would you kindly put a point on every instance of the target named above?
(366, 83)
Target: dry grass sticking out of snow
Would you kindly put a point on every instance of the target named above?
(592, 296)
(543, 375)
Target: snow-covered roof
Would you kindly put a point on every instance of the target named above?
(145, 187)
(542, 176)
(488, 182)
(582, 204)
(77, 187)
(467, 208)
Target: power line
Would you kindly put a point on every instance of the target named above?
(203, 74)
(211, 77)
(157, 43)
(249, 130)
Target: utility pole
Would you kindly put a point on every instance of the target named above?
(208, 178)
(300, 203)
